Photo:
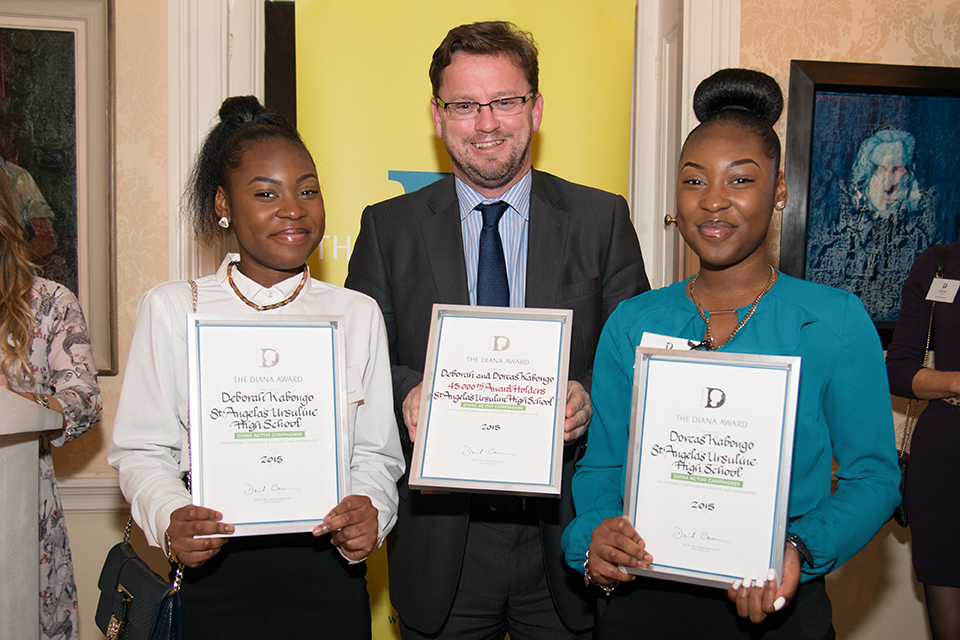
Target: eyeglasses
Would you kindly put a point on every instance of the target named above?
(500, 107)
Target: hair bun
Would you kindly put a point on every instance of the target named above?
(240, 109)
(743, 89)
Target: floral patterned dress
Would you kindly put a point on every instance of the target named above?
(63, 366)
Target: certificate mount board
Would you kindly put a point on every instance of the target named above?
(268, 427)
(708, 469)
(492, 406)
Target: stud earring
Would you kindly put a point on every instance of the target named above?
(780, 205)
(223, 222)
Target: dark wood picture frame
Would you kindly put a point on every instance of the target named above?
(91, 210)
(872, 84)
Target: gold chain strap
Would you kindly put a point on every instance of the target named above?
(911, 419)
(193, 294)
(178, 576)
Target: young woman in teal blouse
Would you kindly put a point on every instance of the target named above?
(727, 187)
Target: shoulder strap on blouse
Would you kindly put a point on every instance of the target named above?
(193, 293)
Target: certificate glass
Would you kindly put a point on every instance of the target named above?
(492, 407)
(708, 469)
(268, 445)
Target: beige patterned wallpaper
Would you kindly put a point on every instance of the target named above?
(773, 32)
(140, 46)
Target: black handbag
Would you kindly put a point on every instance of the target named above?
(136, 603)
(903, 459)
(900, 511)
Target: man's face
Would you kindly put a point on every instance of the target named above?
(488, 152)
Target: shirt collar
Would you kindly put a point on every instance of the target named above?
(518, 196)
(254, 291)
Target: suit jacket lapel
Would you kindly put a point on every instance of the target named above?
(546, 243)
(443, 244)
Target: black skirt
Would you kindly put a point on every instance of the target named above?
(933, 496)
(661, 610)
(282, 586)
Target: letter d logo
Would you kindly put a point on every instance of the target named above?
(269, 358)
(499, 343)
(714, 397)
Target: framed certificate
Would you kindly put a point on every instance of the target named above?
(492, 407)
(708, 469)
(268, 434)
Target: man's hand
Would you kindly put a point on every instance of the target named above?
(579, 411)
(411, 410)
(354, 525)
(189, 521)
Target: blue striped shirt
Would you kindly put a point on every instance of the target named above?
(513, 233)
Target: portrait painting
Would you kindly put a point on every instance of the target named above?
(38, 143)
(871, 164)
(883, 188)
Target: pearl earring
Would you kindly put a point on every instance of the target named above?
(223, 222)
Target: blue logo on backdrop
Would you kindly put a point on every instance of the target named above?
(414, 180)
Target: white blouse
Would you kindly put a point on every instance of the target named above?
(149, 446)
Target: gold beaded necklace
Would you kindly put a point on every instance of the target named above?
(268, 307)
(708, 335)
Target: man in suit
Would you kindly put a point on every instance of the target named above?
(462, 565)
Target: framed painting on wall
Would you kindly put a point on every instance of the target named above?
(871, 170)
(56, 143)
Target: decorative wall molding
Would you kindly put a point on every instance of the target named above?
(654, 109)
(678, 43)
(91, 495)
(215, 49)
(711, 41)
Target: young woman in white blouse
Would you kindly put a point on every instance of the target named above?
(255, 179)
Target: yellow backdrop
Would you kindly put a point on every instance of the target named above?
(363, 109)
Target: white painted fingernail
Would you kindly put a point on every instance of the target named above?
(736, 585)
(778, 603)
(771, 575)
(748, 583)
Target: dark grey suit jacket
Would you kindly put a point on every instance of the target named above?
(583, 254)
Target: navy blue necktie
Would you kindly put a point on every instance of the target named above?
(493, 290)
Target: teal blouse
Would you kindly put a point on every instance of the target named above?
(843, 413)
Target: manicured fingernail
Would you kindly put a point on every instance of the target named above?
(748, 583)
(771, 575)
(778, 603)
(736, 585)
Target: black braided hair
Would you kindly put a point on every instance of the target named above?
(745, 98)
(243, 121)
